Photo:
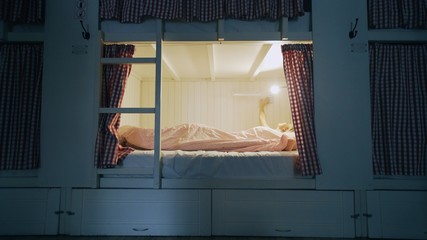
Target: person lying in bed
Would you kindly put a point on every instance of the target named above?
(282, 127)
(191, 137)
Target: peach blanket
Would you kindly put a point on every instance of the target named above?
(201, 137)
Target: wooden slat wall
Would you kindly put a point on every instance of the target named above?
(131, 99)
(210, 102)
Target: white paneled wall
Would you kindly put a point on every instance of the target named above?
(131, 99)
(214, 103)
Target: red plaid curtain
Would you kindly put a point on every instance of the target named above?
(21, 69)
(108, 151)
(135, 11)
(407, 14)
(22, 11)
(298, 67)
(398, 76)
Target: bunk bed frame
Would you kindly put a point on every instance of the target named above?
(158, 31)
(139, 201)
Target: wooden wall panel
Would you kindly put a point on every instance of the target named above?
(131, 99)
(214, 103)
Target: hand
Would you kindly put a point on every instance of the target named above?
(283, 127)
(264, 101)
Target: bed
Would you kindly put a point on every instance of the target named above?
(202, 162)
(208, 169)
(214, 164)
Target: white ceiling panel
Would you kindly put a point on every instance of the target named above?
(213, 61)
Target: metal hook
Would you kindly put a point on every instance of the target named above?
(353, 32)
(85, 33)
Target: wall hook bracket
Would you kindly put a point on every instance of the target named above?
(85, 33)
(353, 32)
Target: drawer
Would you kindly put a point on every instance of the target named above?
(397, 214)
(142, 212)
(29, 211)
(283, 213)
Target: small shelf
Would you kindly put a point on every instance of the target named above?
(127, 110)
(128, 36)
(145, 171)
(25, 36)
(397, 35)
(127, 60)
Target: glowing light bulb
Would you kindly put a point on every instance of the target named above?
(275, 89)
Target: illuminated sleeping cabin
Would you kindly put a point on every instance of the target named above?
(209, 116)
(216, 101)
(218, 96)
(204, 116)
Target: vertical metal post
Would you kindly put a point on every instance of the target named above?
(220, 30)
(157, 110)
(284, 28)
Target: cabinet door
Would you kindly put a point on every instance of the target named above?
(283, 213)
(141, 212)
(397, 214)
(29, 211)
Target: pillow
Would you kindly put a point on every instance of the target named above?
(121, 134)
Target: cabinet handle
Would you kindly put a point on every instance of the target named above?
(283, 230)
(58, 212)
(140, 229)
(355, 216)
(368, 215)
(70, 213)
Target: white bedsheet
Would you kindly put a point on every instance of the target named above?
(194, 136)
(215, 164)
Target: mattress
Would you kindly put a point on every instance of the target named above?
(215, 164)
